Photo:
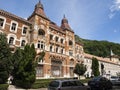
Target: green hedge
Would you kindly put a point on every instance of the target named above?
(4, 86)
(43, 83)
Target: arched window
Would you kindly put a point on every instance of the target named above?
(72, 62)
(23, 43)
(41, 32)
(11, 40)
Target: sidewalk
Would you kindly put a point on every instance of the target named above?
(11, 87)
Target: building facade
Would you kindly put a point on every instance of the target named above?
(62, 52)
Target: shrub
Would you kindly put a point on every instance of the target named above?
(4, 86)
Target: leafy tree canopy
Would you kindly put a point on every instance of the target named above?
(5, 59)
(95, 67)
(24, 72)
(99, 48)
(80, 69)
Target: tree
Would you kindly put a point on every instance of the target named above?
(95, 67)
(5, 56)
(24, 74)
(80, 69)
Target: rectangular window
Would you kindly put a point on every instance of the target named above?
(61, 51)
(61, 41)
(56, 39)
(13, 27)
(70, 52)
(50, 48)
(51, 37)
(38, 45)
(1, 22)
(24, 30)
(23, 43)
(56, 49)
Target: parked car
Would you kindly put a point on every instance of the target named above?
(100, 83)
(115, 80)
(67, 85)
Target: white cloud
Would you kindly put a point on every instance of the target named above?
(115, 7)
(111, 15)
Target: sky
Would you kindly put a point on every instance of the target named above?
(89, 19)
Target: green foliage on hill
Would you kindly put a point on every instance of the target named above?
(99, 48)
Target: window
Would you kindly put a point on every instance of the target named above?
(51, 37)
(1, 22)
(56, 49)
(61, 41)
(24, 30)
(62, 51)
(56, 39)
(23, 43)
(14, 26)
(11, 40)
(41, 32)
(71, 62)
(38, 45)
(41, 45)
(70, 43)
(51, 48)
(54, 84)
(70, 52)
(78, 56)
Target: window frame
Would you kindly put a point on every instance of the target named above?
(2, 27)
(23, 30)
(15, 27)
(41, 44)
(12, 40)
(24, 43)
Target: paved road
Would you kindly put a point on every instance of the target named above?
(11, 87)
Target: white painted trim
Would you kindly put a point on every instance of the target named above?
(4, 21)
(23, 28)
(16, 26)
(12, 35)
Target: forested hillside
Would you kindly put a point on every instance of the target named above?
(99, 48)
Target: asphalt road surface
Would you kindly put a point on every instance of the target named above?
(116, 88)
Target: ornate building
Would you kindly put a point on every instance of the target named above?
(62, 52)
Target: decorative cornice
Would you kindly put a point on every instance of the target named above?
(5, 13)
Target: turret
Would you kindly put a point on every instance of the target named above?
(65, 25)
